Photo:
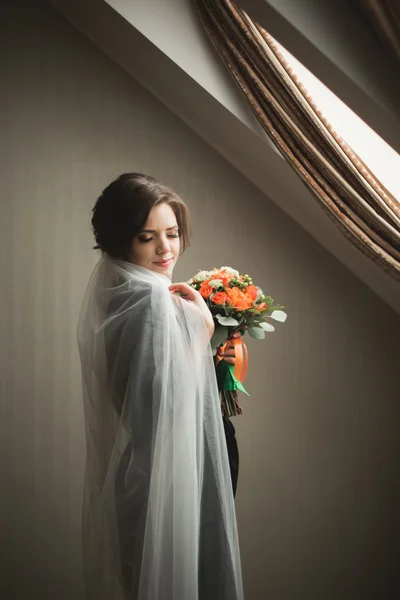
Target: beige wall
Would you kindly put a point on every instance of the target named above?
(318, 490)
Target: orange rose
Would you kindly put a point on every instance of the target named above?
(220, 298)
(206, 290)
(232, 294)
(239, 298)
(244, 304)
(261, 307)
(252, 291)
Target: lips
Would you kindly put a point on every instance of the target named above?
(164, 263)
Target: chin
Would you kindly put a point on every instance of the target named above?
(167, 272)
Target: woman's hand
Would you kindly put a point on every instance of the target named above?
(228, 353)
(188, 293)
(227, 350)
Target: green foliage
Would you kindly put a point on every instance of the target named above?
(279, 315)
(227, 320)
(266, 326)
(257, 333)
(219, 336)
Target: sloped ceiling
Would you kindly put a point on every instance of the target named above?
(161, 43)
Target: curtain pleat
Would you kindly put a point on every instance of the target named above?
(356, 201)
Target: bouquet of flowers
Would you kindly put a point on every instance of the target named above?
(237, 306)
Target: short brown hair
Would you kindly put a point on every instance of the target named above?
(122, 210)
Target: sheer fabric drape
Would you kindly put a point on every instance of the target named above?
(159, 519)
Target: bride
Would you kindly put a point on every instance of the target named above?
(158, 513)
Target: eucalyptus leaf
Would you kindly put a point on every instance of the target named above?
(267, 327)
(257, 333)
(228, 321)
(219, 336)
(279, 315)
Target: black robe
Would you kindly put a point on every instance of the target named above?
(233, 451)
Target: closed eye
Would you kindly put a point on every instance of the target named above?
(144, 240)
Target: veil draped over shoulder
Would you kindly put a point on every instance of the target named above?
(158, 511)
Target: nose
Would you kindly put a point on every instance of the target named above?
(164, 246)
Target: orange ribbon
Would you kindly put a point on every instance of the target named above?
(241, 357)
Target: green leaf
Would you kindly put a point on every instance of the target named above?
(268, 300)
(257, 333)
(267, 327)
(227, 320)
(279, 315)
(219, 336)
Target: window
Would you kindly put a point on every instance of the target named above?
(381, 159)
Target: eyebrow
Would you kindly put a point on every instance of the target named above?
(154, 231)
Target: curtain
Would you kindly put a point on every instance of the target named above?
(342, 184)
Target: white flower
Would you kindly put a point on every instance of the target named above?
(215, 283)
(230, 271)
(202, 276)
(260, 293)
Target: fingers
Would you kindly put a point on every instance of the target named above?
(180, 286)
(229, 354)
(226, 350)
(177, 288)
(185, 290)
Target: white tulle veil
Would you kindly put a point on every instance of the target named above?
(158, 516)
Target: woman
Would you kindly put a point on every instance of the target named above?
(159, 519)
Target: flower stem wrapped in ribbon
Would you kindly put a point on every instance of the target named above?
(237, 306)
(230, 377)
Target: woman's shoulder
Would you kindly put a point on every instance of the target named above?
(130, 298)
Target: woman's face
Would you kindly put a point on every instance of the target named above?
(158, 241)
